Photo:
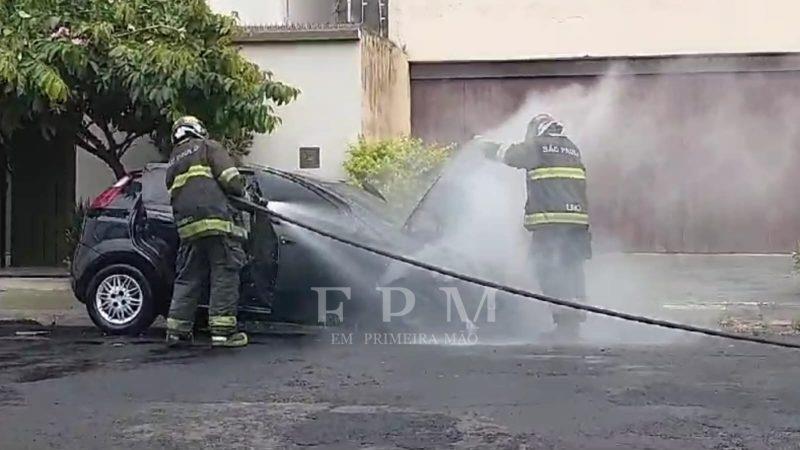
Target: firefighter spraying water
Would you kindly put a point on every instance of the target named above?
(200, 176)
(556, 213)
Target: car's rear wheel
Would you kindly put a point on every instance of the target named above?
(120, 300)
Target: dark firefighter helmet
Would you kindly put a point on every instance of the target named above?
(188, 127)
(543, 124)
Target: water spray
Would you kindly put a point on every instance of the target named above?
(516, 291)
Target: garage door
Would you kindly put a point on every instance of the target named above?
(702, 160)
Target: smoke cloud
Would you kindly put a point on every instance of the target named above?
(683, 163)
(676, 163)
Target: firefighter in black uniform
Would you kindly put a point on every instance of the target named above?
(556, 213)
(200, 176)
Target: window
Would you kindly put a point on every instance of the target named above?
(309, 157)
(155, 196)
(154, 185)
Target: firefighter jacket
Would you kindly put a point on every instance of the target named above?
(200, 177)
(556, 180)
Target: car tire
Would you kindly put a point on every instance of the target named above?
(120, 300)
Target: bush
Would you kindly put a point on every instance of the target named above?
(796, 258)
(72, 234)
(402, 169)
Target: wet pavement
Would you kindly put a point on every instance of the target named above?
(628, 386)
(72, 388)
(633, 282)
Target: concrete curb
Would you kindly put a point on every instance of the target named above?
(740, 317)
(53, 318)
(7, 321)
(35, 284)
(47, 301)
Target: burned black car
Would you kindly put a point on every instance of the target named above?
(123, 267)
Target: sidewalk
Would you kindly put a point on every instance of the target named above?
(48, 301)
(708, 290)
(742, 293)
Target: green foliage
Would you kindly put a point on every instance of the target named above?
(116, 70)
(401, 169)
(72, 235)
(238, 145)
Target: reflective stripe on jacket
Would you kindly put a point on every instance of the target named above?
(543, 173)
(193, 171)
(556, 180)
(208, 227)
(200, 177)
(532, 220)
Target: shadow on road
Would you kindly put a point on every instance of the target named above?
(30, 352)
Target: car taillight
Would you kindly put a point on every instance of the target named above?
(109, 195)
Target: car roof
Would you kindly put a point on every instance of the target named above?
(253, 168)
(314, 183)
(326, 190)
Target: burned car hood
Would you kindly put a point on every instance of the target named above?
(372, 223)
(369, 217)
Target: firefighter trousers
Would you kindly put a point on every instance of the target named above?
(209, 263)
(559, 256)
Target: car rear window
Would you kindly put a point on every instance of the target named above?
(154, 187)
(155, 195)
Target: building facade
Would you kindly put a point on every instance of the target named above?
(354, 82)
(685, 111)
(487, 30)
(651, 83)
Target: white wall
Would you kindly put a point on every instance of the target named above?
(327, 114)
(312, 11)
(253, 12)
(93, 176)
(442, 30)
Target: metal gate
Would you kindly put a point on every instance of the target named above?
(703, 159)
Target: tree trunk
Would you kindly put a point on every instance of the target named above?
(110, 151)
(116, 166)
(108, 157)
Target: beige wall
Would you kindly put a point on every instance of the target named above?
(278, 12)
(386, 89)
(253, 12)
(441, 30)
(327, 114)
(312, 11)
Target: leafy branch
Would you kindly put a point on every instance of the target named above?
(119, 71)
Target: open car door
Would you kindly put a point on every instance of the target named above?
(259, 274)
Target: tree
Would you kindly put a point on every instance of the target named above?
(108, 72)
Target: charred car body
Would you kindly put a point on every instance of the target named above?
(123, 267)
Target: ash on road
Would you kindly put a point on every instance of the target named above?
(76, 389)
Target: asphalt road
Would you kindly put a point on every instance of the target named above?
(75, 389)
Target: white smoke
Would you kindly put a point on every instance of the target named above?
(689, 157)
(684, 155)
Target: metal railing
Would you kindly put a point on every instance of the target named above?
(370, 14)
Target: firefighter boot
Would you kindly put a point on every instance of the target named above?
(562, 335)
(568, 326)
(567, 330)
(224, 332)
(237, 339)
(179, 332)
(179, 339)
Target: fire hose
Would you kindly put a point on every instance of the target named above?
(521, 292)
